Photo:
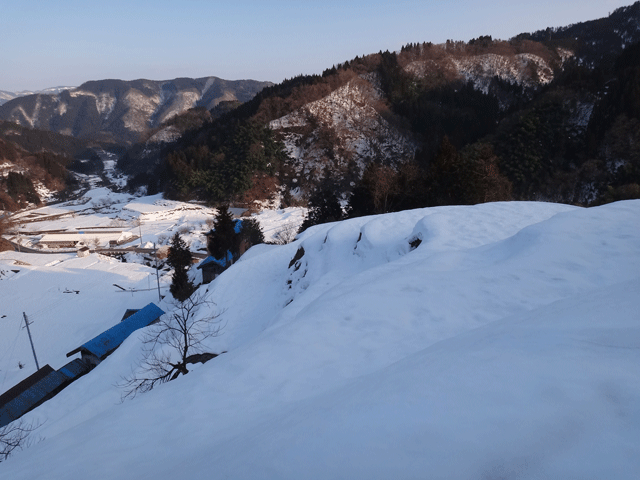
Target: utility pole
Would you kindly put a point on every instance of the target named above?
(26, 322)
(18, 236)
(157, 273)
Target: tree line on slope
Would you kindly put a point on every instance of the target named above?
(40, 157)
(569, 141)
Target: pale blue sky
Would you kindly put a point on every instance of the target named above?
(67, 42)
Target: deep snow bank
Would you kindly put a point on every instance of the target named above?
(506, 344)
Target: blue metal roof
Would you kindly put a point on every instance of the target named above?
(222, 262)
(39, 387)
(129, 312)
(75, 369)
(105, 343)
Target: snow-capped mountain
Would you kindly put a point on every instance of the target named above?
(340, 134)
(121, 111)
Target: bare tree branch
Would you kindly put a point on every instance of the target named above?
(286, 234)
(173, 343)
(14, 436)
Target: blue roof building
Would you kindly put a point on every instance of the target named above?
(100, 347)
(75, 369)
(212, 267)
(30, 393)
(47, 382)
(36, 389)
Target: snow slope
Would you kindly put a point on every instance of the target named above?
(506, 345)
(44, 287)
(341, 132)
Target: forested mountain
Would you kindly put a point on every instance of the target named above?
(596, 42)
(36, 163)
(549, 116)
(121, 111)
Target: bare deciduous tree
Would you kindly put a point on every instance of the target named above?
(14, 436)
(176, 341)
(117, 222)
(285, 234)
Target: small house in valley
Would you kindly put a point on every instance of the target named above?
(99, 238)
(211, 266)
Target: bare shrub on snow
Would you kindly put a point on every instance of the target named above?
(176, 341)
(16, 435)
(285, 234)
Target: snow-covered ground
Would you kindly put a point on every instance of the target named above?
(55, 276)
(110, 160)
(69, 300)
(493, 341)
(152, 217)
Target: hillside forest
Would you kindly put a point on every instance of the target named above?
(573, 139)
(566, 129)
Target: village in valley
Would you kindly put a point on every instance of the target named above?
(417, 263)
(102, 229)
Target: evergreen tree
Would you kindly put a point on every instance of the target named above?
(223, 237)
(251, 233)
(180, 259)
(480, 176)
(444, 176)
(324, 207)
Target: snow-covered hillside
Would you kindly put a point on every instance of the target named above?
(491, 341)
(341, 134)
(514, 69)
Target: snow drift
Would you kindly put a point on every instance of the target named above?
(494, 341)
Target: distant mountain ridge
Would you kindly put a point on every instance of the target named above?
(553, 113)
(5, 96)
(120, 111)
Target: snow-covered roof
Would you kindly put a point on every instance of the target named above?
(105, 343)
(84, 237)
